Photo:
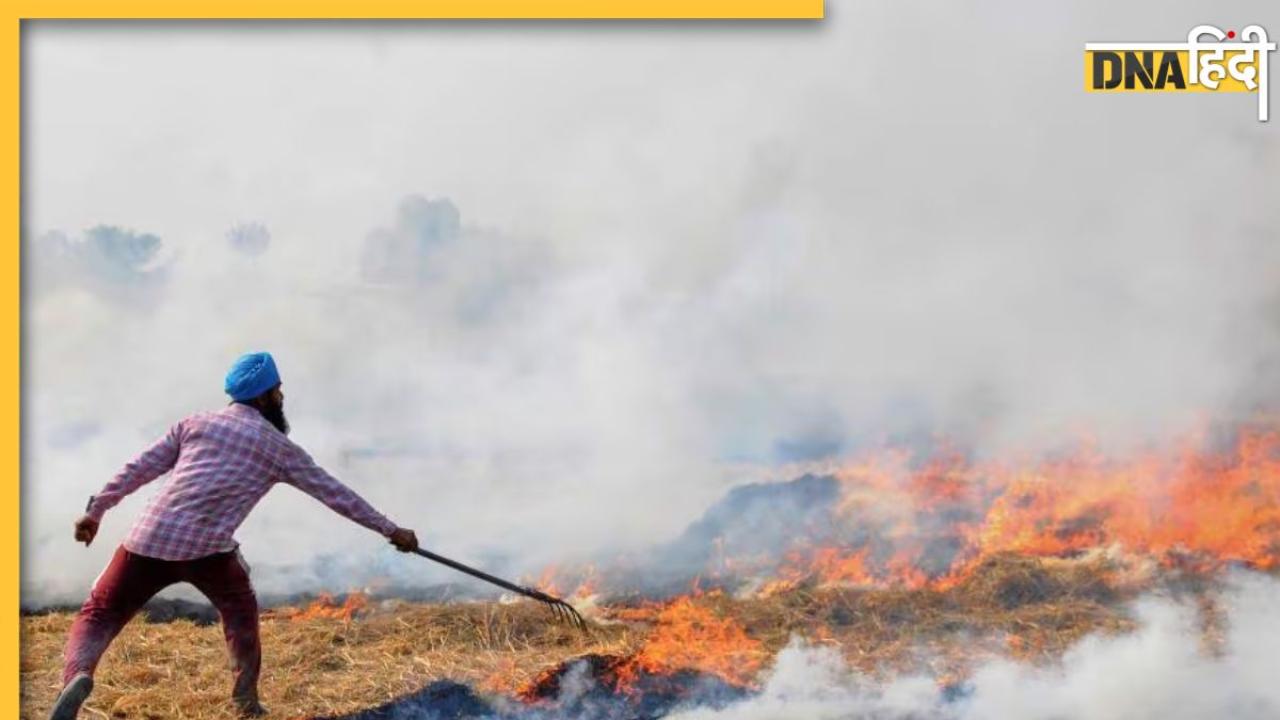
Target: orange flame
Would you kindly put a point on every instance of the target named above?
(325, 606)
(900, 522)
(690, 636)
(905, 523)
(1206, 508)
(582, 579)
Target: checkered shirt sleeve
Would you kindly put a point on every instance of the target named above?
(151, 464)
(300, 471)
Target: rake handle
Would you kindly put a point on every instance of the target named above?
(482, 575)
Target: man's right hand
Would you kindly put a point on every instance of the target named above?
(404, 540)
(86, 530)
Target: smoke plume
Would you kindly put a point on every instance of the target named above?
(1158, 672)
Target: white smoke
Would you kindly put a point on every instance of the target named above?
(815, 683)
(1158, 672)
(678, 249)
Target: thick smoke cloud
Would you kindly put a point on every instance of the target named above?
(544, 293)
(1158, 672)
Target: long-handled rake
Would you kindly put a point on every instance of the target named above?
(561, 609)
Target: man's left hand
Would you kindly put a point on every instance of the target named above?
(86, 530)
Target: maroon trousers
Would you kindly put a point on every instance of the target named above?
(131, 580)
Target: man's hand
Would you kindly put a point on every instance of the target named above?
(404, 540)
(87, 529)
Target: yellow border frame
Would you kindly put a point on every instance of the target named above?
(432, 9)
(241, 9)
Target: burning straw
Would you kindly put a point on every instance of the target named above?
(898, 565)
(334, 659)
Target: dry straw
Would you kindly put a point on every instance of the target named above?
(1026, 608)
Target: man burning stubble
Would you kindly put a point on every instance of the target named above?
(222, 464)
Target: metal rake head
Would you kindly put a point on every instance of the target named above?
(563, 611)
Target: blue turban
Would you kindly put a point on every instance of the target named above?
(252, 375)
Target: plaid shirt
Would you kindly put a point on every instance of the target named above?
(223, 463)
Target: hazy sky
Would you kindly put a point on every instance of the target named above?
(540, 290)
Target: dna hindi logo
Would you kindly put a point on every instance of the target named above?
(1209, 61)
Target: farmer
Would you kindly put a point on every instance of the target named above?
(223, 463)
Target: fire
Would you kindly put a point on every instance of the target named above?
(688, 635)
(903, 522)
(503, 678)
(995, 533)
(587, 586)
(583, 580)
(547, 581)
(928, 526)
(325, 606)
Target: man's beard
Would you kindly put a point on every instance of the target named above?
(274, 413)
